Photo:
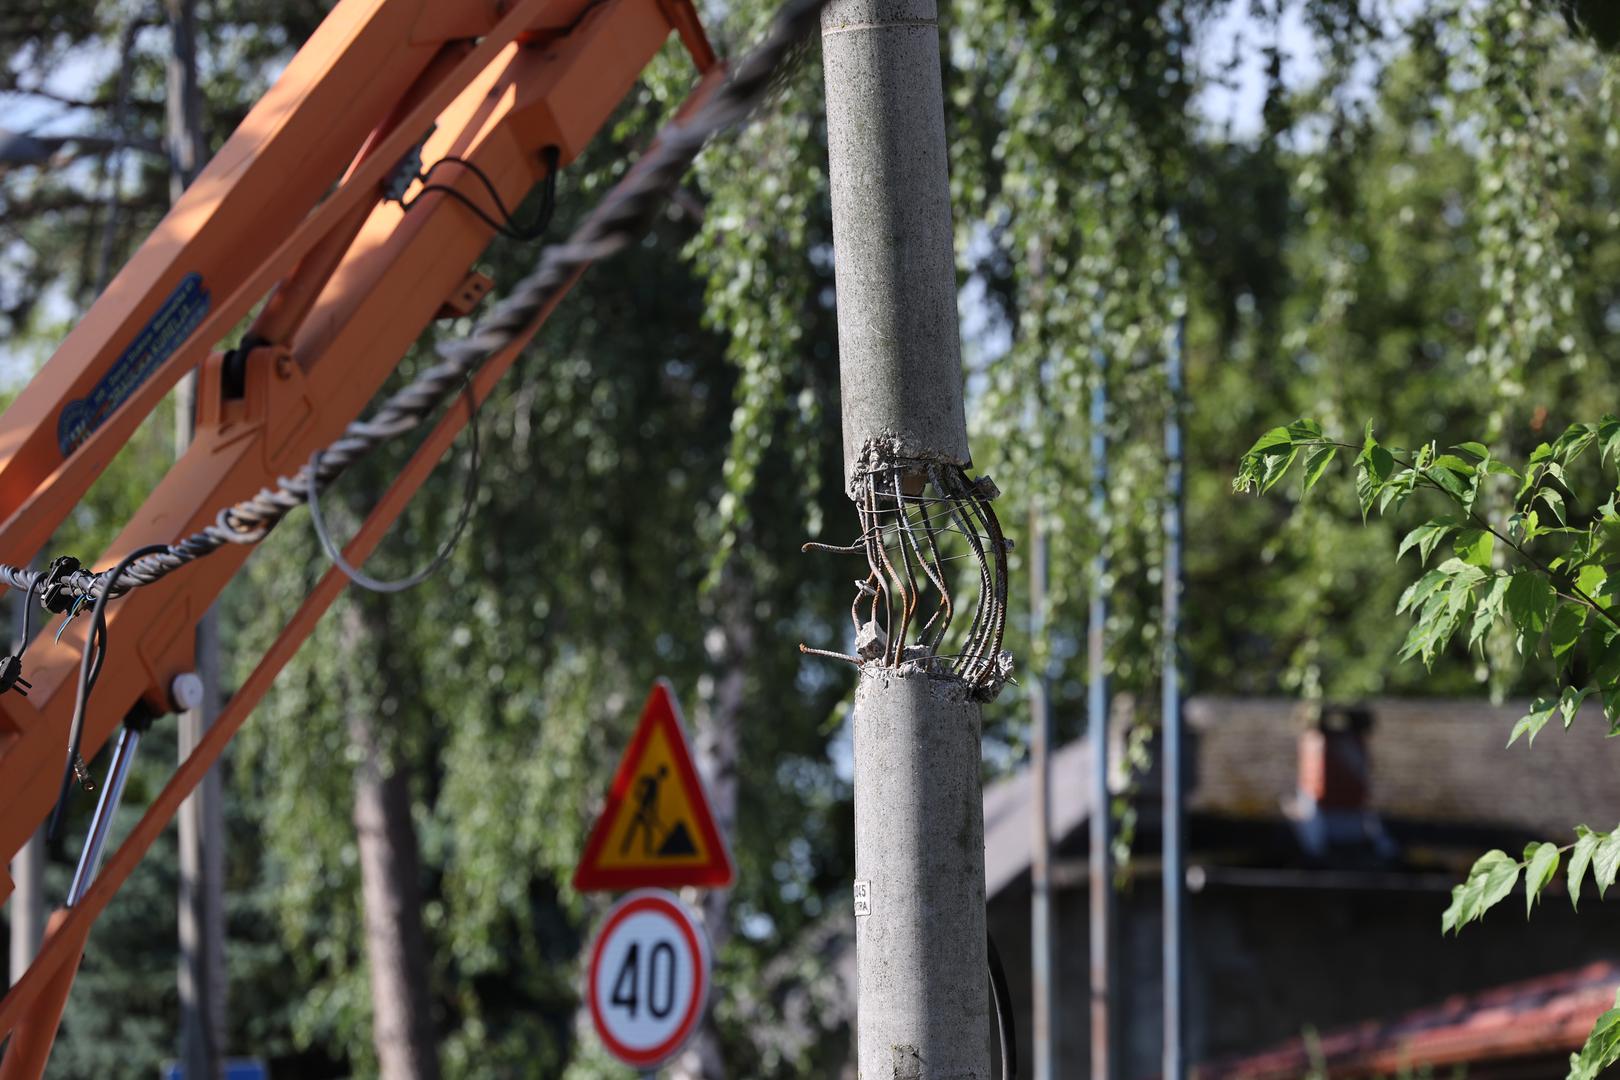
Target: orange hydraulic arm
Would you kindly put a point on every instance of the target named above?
(294, 209)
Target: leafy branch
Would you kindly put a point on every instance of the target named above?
(1554, 595)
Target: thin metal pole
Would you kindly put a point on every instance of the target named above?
(1175, 841)
(1100, 857)
(1043, 990)
(201, 977)
(27, 871)
(95, 841)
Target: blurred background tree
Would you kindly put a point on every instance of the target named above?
(1411, 212)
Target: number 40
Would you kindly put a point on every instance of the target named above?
(660, 979)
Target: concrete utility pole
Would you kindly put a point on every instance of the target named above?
(923, 989)
(202, 979)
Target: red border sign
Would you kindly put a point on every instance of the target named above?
(665, 904)
(660, 711)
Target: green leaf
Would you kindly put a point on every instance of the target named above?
(1478, 450)
(1488, 610)
(1609, 432)
(1574, 441)
(1541, 864)
(1605, 861)
(1420, 590)
(1474, 546)
(1586, 842)
(1529, 601)
(1493, 876)
(1555, 503)
(1501, 874)
(1531, 723)
(1564, 632)
(1453, 463)
(1602, 1047)
(1591, 579)
(1452, 483)
(1260, 464)
(1316, 463)
(1426, 537)
(1569, 703)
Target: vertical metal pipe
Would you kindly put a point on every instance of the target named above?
(1043, 990)
(27, 866)
(1175, 842)
(95, 841)
(1104, 1064)
(201, 977)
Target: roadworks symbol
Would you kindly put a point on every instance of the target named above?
(656, 828)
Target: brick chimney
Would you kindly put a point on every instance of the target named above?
(1331, 810)
(1334, 767)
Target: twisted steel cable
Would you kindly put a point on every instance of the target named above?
(619, 220)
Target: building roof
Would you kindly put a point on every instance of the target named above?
(1541, 1019)
(1009, 836)
(1438, 762)
(1432, 760)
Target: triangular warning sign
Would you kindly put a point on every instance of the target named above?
(656, 830)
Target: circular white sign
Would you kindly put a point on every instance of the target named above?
(648, 978)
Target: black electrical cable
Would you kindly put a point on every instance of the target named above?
(468, 501)
(1005, 1031)
(28, 612)
(505, 225)
(95, 651)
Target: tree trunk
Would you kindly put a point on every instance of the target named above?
(390, 873)
(721, 694)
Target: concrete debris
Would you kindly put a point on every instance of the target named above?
(871, 641)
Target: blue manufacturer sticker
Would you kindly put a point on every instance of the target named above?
(180, 314)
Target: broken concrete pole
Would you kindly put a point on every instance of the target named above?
(922, 983)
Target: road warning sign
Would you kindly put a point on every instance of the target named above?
(656, 830)
(648, 980)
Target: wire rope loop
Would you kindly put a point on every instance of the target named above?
(469, 499)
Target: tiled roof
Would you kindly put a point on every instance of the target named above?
(1441, 761)
(1546, 1017)
(1433, 761)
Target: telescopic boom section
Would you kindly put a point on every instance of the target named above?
(512, 91)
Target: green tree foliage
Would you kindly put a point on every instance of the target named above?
(1542, 577)
(1423, 232)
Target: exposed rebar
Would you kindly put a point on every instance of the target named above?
(945, 503)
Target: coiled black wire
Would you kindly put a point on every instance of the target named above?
(469, 499)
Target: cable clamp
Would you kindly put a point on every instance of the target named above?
(407, 172)
(57, 592)
(11, 676)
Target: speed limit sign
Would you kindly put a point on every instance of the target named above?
(648, 978)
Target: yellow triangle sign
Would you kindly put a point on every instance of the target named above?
(656, 830)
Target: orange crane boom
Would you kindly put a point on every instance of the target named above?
(293, 212)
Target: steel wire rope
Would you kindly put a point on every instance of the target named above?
(620, 218)
(613, 224)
